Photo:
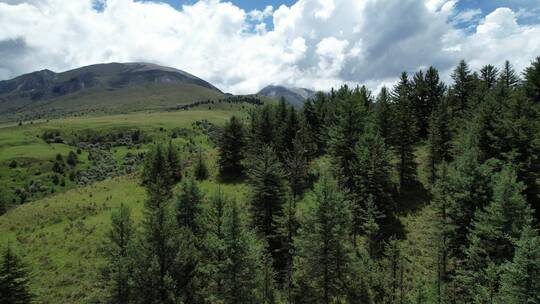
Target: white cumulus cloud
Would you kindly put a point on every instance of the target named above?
(313, 43)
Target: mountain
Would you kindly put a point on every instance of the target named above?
(102, 87)
(295, 96)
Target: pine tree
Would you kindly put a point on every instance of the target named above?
(174, 162)
(489, 75)
(383, 113)
(14, 279)
(267, 199)
(201, 170)
(492, 232)
(159, 244)
(243, 271)
(297, 167)
(263, 128)
(394, 270)
(189, 207)
(212, 268)
(532, 81)
(508, 79)
(322, 265)
(288, 226)
(404, 132)
(420, 102)
(520, 279)
(231, 147)
(345, 132)
(119, 251)
(371, 174)
(439, 137)
(468, 189)
(462, 89)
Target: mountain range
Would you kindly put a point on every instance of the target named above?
(114, 87)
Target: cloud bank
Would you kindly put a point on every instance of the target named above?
(315, 44)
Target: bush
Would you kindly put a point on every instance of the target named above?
(13, 164)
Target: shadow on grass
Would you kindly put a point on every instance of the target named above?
(412, 198)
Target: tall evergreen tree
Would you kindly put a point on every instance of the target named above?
(489, 75)
(119, 253)
(344, 134)
(297, 167)
(383, 113)
(404, 132)
(520, 279)
(200, 170)
(158, 247)
(508, 79)
(243, 276)
(231, 147)
(14, 279)
(439, 137)
(532, 80)
(212, 268)
(492, 233)
(189, 207)
(372, 181)
(420, 102)
(174, 162)
(268, 196)
(462, 89)
(323, 271)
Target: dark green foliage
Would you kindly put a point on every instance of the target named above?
(119, 254)
(404, 132)
(508, 79)
(200, 170)
(13, 164)
(461, 91)
(468, 188)
(492, 233)
(268, 196)
(489, 75)
(373, 187)
(157, 276)
(325, 266)
(520, 278)
(343, 135)
(174, 162)
(232, 145)
(72, 159)
(439, 137)
(297, 167)
(263, 127)
(383, 113)
(189, 206)
(14, 279)
(532, 81)
(242, 271)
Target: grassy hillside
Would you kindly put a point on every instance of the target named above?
(60, 231)
(60, 236)
(27, 158)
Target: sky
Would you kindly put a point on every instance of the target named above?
(245, 45)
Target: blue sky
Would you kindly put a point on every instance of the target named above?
(245, 4)
(317, 45)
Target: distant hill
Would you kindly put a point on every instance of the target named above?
(114, 87)
(295, 96)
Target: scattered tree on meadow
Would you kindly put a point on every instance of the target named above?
(232, 147)
(14, 279)
(119, 254)
(201, 170)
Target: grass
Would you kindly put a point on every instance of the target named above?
(35, 157)
(61, 235)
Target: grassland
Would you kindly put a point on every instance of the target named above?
(60, 233)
